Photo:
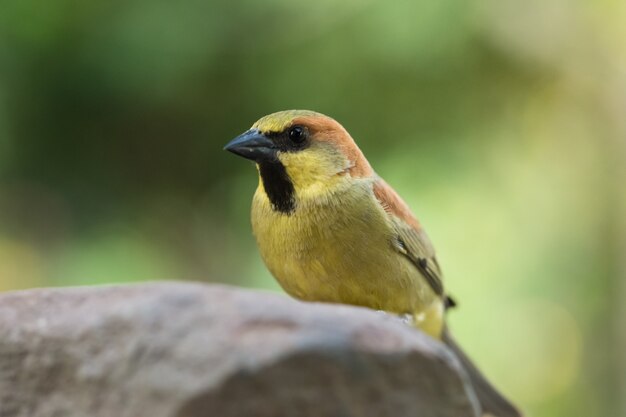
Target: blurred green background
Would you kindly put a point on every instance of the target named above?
(502, 123)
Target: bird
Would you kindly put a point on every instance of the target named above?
(329, 229)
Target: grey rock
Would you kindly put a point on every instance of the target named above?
(193, 350)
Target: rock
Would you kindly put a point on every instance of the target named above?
(193, 350)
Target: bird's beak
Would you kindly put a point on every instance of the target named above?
(252, 145)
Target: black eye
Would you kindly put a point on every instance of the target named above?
(297, 134)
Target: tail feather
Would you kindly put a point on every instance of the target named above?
(491, 401)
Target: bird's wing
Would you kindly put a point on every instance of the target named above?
(410, 240)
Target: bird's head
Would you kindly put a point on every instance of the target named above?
(307, 149)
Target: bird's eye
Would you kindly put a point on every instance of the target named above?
(296, 134)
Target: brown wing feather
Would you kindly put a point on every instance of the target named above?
(411, 240)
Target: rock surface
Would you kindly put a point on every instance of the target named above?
(193, 350)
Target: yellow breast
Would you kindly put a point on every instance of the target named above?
(339, 249)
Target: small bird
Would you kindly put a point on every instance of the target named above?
(330, 229)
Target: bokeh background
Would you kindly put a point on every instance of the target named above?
(502, 123)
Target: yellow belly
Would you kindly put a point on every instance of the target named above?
(341, 251)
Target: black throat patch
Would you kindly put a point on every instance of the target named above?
(278, 186)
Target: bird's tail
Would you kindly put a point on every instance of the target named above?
(491, 401)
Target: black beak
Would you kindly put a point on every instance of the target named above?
(252, 145)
